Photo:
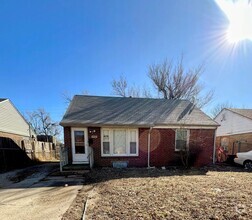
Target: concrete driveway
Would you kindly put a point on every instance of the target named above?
(32, 193)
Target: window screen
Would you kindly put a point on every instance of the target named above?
(181, 139)
(106, 144)
(133, 142)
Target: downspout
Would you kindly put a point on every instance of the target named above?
(214, 150)
(30, 130)
(149, 135)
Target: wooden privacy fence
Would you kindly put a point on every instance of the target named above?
(11, 155)
(42, 151)
(241, 146)
(63, 157)
(17, 154)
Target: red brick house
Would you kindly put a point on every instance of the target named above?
(141, 132)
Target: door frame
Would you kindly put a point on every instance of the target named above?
(81, 158)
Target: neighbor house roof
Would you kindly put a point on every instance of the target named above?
(113, 111)
(244, 112)
(1, 99)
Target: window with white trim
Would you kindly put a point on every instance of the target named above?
(119, 142)
(106, 142)
(182, 139)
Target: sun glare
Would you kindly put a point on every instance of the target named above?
(239, 14)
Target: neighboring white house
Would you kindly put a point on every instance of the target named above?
(12, 123)
(234, 121)
(235, 130)
(15, 133)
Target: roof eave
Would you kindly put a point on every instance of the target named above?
(189, 125)
(245, 116)
(77, 124)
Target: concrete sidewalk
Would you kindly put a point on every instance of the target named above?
(39, 196)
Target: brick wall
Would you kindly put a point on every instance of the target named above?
(235, 143)
(162, 147)
(201, 146)
(68, 143)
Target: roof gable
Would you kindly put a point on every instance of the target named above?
(243, 112)
(12, 121)
(111, 111)
(232, 123)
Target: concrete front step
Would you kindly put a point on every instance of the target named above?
(76, 167)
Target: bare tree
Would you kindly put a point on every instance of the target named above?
(42, 123)
(217, 109)
(146, 92)
(67, 96)
(120, 87)
(134, 91)
(174, 82)
(185, 156)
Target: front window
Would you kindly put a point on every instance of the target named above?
(182, 139)
(119, 142)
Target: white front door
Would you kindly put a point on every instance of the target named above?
(79, 145)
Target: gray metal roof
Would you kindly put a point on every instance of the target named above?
(244, 112)
(113, 111)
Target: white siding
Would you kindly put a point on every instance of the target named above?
(232, 123)
(11, 121)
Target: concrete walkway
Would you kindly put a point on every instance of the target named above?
(39, 195)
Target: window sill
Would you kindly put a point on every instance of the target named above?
(135, 155)
(177, 150)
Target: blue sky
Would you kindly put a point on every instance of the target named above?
(49, 46)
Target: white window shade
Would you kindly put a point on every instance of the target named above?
(106, 136)
(119, 142)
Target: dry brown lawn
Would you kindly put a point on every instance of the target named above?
(169, 194)
(218, 192)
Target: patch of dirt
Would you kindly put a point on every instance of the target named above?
(75, 211)
(218, 192)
